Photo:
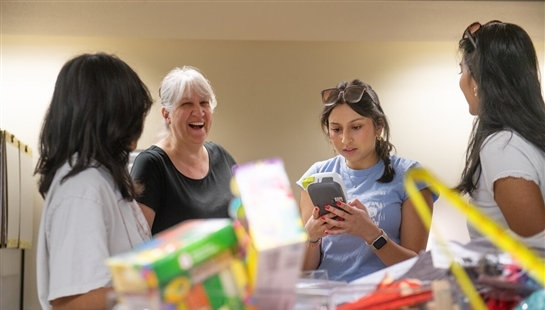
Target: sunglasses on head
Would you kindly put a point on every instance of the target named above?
(350, 94)
(471, 29)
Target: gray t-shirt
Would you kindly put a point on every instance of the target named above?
(84, 221)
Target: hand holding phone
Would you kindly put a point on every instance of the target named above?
(326, 189)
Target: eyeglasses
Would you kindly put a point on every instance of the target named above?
(350, 94)
(471, 29)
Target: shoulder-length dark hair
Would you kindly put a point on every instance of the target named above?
(368, 106)
(97, 112)
(505, 68)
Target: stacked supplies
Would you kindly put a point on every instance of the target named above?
(250, 262)
(190, 266)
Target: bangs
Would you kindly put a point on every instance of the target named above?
(198, 88)
(194, 84)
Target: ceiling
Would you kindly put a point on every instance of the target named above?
(385, 20)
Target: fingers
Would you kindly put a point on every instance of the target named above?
(333, 220)
(315, 213)
(357, 204)
(342, 206)
(315, 225)
(327, 223)
(335, 230)
(344, 220)
(341, 209)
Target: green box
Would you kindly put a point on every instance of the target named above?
(171, 254)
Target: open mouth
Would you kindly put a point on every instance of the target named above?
(199, 125)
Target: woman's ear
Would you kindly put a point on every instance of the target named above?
(165, 114)
(378, 131)
(474, 86)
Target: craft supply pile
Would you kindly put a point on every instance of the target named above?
(254, 261)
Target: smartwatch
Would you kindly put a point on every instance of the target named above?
(380, 241)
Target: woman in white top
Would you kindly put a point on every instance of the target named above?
(95, 117)
(504, 172)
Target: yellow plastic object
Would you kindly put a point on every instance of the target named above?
(307, 181)
(234, 187)
(498, 235)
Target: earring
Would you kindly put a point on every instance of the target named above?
(475, 91)
(379, 138)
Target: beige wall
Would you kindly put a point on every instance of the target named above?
(268, 94)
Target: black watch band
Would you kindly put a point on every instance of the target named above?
(380, 241)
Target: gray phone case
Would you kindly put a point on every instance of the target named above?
(326, 192)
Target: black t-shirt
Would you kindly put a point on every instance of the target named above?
(175, 197)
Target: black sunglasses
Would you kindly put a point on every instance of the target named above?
(350, 94)
(471, 29)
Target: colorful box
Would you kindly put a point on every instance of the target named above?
(190, 266)
(276, 252)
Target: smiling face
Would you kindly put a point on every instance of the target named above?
(353, 136)
(469, 88)
(190, 120)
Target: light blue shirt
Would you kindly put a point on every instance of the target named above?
(347, 257)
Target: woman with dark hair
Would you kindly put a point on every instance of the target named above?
(94, 120)
(504, 173)
(379, 226)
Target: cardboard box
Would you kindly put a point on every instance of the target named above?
(190, 266)
(278, 237)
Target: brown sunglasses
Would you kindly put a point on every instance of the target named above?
(474, 27)
(351, 94)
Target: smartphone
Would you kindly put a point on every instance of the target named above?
(326, 188)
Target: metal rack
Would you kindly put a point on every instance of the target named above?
(16, 213)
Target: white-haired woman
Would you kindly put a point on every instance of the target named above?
(183, 175)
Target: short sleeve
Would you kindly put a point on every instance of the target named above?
(147, 171)
(226, 155)
(78, 248)
(402, 166)
(312, 170)
(506, 155)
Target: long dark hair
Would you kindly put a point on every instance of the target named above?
(97, 112)
(505, 68)
(368, 106)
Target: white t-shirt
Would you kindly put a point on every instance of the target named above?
(84, 221)
(507, 154)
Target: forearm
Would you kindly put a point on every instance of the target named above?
(413, 234)
(392, 253)
(312, 256)
(149, 214)
(314, 228)
(93, 300)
